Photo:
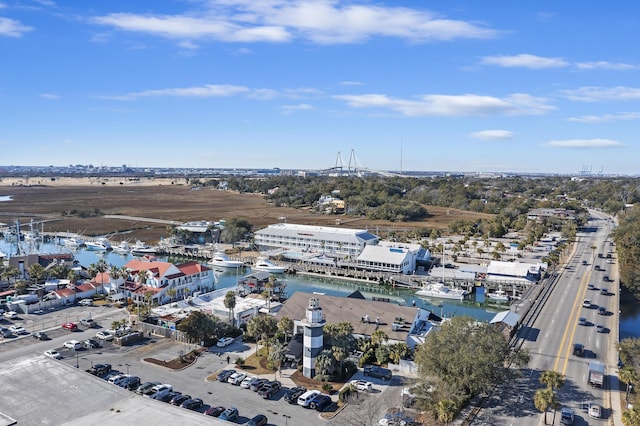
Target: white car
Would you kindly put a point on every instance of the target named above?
(72, 344)
(16, 329)
(86, 302)
(224, 341)
(236, 378)
(247, 382)
(10, 314)
(117, 376)
(361, 385)
(158, 391)
(104, 335)
(595, 411)
(52, 353)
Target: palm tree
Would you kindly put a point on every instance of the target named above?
(285, 326)
(230, 303)
(379, 337)
(324, 362)
(446, 410)
(631, 417)
(543, 399)
(630, 377)
(552, 379)
(172, 292)
(277, 354)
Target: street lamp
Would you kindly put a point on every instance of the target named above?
(77, 356)
(286, 418)
(127, 365)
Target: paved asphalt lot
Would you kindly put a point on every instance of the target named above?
(191, 380)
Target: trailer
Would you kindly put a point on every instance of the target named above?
(595, 375)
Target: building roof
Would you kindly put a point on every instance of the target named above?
(513, 269)
(382, 254)
(509, 318)
(338, 309)
(327, 233)
(192, 268)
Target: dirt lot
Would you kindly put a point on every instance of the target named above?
(51, 203)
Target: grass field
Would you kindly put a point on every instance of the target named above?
(59, 205)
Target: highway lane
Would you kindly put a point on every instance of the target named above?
(550, 338)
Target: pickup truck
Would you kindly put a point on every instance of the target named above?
(595, 375)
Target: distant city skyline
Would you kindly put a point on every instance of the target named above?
(462, 86)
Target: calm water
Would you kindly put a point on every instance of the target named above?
(307, 284)
(630, 320)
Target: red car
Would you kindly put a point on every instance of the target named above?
(71, 326)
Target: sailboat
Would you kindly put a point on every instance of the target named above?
(440, 290)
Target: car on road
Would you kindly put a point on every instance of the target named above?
(259, 420)
(602, 310)
(100, 369)
(379, 372)
(586, 303)
(230, 414)
(91, 344)
(578, 349)
(224, 342)
(361, 385)
(16, 329)
(52, 353)
(236, 378)
(270, 389)
(224, 375)
(72, 344)
(595, 411)
(179, 399)
(86, 302)
(566, 416)
(590, 286)
(104, 335)
(582, 321)
(291, 396)
(247, 381)
(320, 402)
(256, 385)
(192, 404)
(600, 328)
(40, 335)
(10, 315)
(604, 291)
(214, 411)
(145, 386)
(71, 326)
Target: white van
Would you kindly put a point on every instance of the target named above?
(305, 398)
(224, 341)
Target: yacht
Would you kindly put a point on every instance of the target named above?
(141, 248)
(498, 296)
(221, 260)
(122, 248)
(441, 291)
(264, 264)
(74, 242)
(100, 244)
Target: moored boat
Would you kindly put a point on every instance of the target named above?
(264, 264)
(498, 296)
(122, 248)
(100, 244)
(221, 260)
(441, 291)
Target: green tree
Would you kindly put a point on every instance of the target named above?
(36, 273)
(631, 417)
(544, 399)
(446, 410)
(379, 337)
(324, 362)
(630, 377)
(552, 379)
(262, 328)
(277, 354)
(230, 304)
(285, 326)
(200, 327)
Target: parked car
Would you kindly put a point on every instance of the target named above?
(91, 343)
(379, 372)
(247, 381)
(236, 378)
(130, 383)
(259, 420)
(361, 385)
(320, 402)
(214, 411)
(255, 386)
(88, 322)
(71, 326)
(86, 302)
(5, 332)
(595, 411)
(40, 335)
(72, 344)
(115, 376)
(566, 416)
(122, 379)
(169, 396)
(270, 389)
(224, 375)
(179, 399)
(100, 369)
(158, 391)
(17, 330)
(224, 341)
(230, 414)
(104, 335)
(291, 396)
(52, 353)
(192, 404)
(10, 315)
(145, 386)
(305, 398)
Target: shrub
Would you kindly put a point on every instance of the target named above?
(240, 361)
(346, 392)
(327, 387)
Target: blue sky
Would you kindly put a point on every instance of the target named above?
(503, 86)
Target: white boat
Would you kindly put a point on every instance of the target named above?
(140, 248)
(101, 244)
(122, 248)
(498, 296)
(441, 291)
(221, 260)
(263, 264)
(74, 242)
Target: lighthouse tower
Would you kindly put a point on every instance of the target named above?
(313, 337)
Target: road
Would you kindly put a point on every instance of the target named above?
(550, 338)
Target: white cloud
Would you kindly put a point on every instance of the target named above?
(49, 96)
(351, 83)
(525, 61)
(264, 94)
(242, 51)
(288, 109)
(188, 45)
(12, 28)
(597, 94)
(321, 21)
(451, 105)
(623, 116)
(604, 65)
(584, 143)
(206, 91)
(492, 135)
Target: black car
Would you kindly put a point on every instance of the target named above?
(379, 372)
(292, 394)
(192, 404)
(91, 344)
(130, 383)
(100, 369)
(214, 411)
(40, 335)
(179, 399)
(269, 389)
(320, 402)
(259, 420)
(224, 375)
(169, 396)
(578, 349)
(258, 384)
(145, 387)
